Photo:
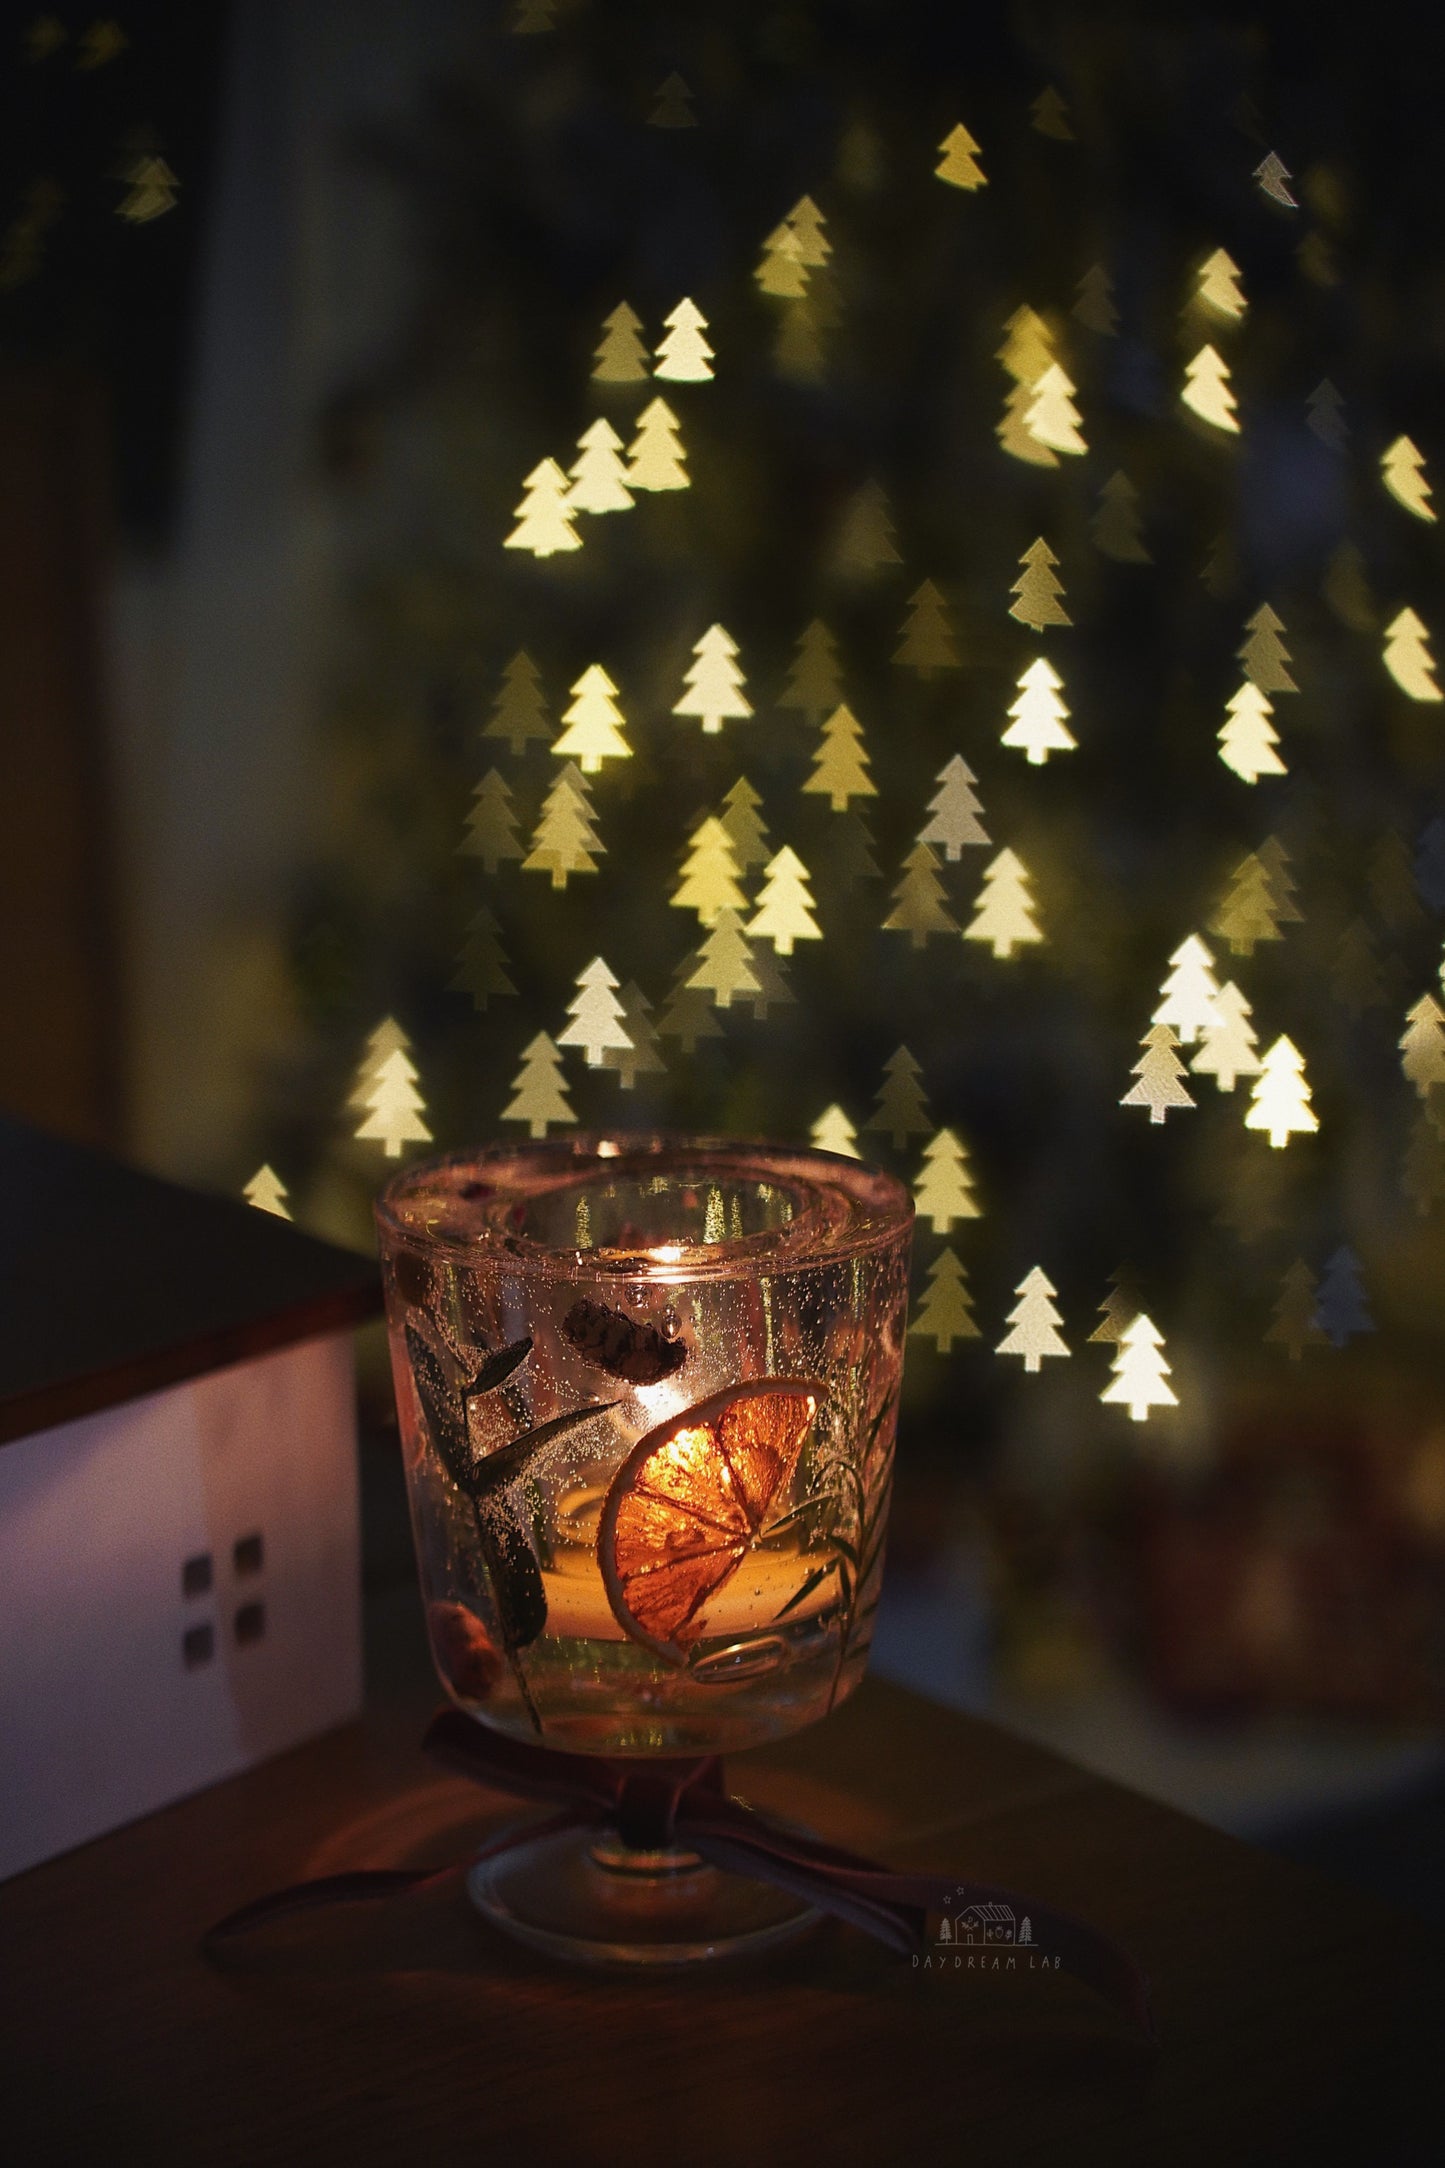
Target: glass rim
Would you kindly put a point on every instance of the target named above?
(882, 1207)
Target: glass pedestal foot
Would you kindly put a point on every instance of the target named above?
(594, 1900)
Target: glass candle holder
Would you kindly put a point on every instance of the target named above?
(647, 1390)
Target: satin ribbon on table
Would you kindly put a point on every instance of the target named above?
(656, 1803)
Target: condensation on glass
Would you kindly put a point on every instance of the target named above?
(647, 1392)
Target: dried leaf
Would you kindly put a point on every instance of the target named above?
(498, 1368)
(497, 1470)
(517, 1588)
(441, 1409)
(819, 1575)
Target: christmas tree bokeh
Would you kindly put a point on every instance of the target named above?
(934, 439)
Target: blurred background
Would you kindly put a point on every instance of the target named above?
(294, 302)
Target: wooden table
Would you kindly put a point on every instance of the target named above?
(1297, 2018)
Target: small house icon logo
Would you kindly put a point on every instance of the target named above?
(987, 1936)
(989, 1924)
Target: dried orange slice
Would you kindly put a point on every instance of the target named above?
(691, 1500)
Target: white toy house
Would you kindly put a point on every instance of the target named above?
(179, 1526)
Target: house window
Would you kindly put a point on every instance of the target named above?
(198, 1644)
(250, 1623)
(247, 1554)
(196, 1574)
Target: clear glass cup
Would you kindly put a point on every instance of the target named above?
(647, 1390)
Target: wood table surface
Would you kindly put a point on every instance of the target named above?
(1299, 2021)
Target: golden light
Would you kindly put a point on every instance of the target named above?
(1280, 1101)
(1218, 289)
(1005, 914)
(782, 272)
(1039, 595)
(1422, 1045)
(1189, 997)
(684, 357)
(655, 459)
(1051, 417)
(943, 1192)
(544, 517)
(621, 358)
(267, 1193)
(840, 765)
(539, 1093)
(1035, 1323)
(595, 1015)
(919, 908)
(394, 1106)
(724, 966)
(1038, 727)
(944, 1313)
(833, 1132)
(785, 905)
(958, 160)
(955, 807)
(1257, 901)
(594, 723)
(599, 479)
(1014, 434)
(1264, 654)
(1228, 1051)
(713, 687)
(1206, 390)
(1161, 1075)
(1408, 658)
(565, 837)
(1403, 468)
(1247, 740)
(1140, 1371)
(383, 1041)
(711, 876)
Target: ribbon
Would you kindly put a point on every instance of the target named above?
(653, 1804)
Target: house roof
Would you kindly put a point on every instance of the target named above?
(114, 1283)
